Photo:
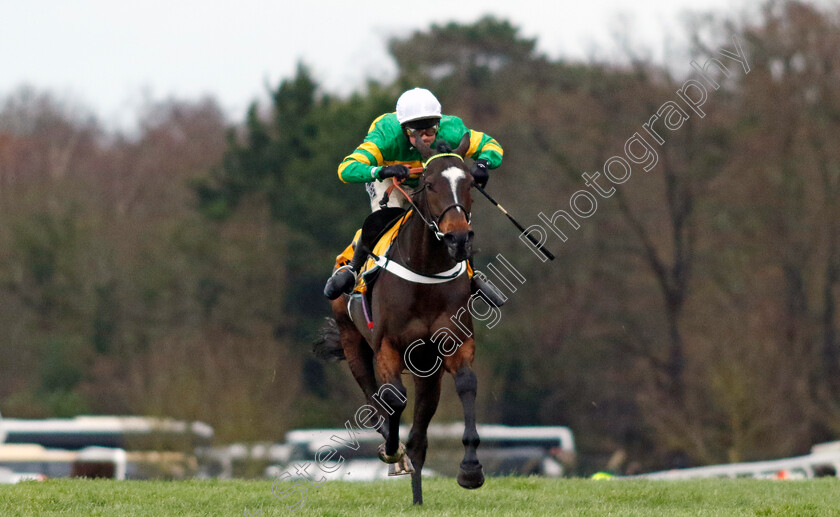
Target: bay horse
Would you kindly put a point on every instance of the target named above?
(410, 316)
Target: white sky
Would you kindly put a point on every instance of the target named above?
(111, 55)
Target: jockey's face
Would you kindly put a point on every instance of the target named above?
(427, 134)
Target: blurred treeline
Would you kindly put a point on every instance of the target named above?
(693, 319)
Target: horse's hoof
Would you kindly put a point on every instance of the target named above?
(471, 476)
(395, 457)
(401, 467)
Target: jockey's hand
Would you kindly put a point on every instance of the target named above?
(479, 173)
(399, 172)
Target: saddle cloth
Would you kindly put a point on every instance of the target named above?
(379, 249)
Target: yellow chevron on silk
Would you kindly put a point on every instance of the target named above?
(377, 119)
(411, 165)
(475, 142)
(492, 145)
(374, 151)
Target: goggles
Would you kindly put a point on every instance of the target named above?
(426, 131)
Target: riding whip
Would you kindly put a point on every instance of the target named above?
(519, 226)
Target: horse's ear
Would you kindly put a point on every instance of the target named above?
(425, 151)
(463, 146)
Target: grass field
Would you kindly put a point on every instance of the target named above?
(499, 497)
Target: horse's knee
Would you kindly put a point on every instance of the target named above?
(466, 382)
(391, 398)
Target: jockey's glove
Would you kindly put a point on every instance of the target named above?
(394, 171)
(479, 173)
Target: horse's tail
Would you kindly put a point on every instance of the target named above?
(327, 346)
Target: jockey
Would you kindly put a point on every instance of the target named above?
(388, 151)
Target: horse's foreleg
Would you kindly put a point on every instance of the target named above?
(471, 474)
(426, 398)
(391, 397)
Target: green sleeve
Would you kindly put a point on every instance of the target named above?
(482, 145)
(364, 163)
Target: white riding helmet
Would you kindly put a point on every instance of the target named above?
(417, 104)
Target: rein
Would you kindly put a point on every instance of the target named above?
(433, 226)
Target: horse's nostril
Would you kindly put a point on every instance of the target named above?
(470, 236)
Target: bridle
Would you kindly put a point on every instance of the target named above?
(434, 224)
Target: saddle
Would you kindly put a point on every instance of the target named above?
(377, 235)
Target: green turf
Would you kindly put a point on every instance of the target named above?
(499, 497)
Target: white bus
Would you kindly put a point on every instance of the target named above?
(103, 446)
(38, 462)
(126, 432)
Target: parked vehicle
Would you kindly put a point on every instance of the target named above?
(103, 447)
(823, 461)
(9, 477)
(125, 432)
(504, 450)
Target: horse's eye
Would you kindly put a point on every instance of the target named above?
(430, 186)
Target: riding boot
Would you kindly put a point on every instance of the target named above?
(485, 288)
(343, 279)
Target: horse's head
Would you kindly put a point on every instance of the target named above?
(446, 184)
